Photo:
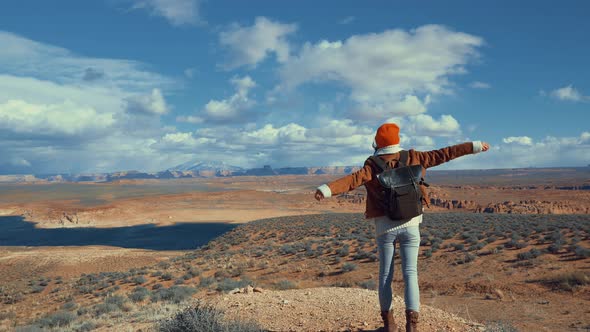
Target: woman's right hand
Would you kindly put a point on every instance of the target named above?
(485, 146)
(318, 195)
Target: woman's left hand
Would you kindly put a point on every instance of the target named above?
(318, 195)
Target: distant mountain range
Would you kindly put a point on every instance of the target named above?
(548, 176)
(191, 169)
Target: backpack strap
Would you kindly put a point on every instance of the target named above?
(402, 162)
(403, 158)
(378, 162)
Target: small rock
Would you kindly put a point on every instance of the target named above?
(285, 302)
(234, 291)
(499, 294)
(249, 290)
(257, 290)
(543, 302)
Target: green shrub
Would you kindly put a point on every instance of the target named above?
(205, 318)
(533, 253)
(206, 282)
(500, 326)
(569, 281)
(285, 284)
(69, 305)
(103, 308)
(139, 294)
(57, 319)
(582, 252)
(458, 246)
(86, 326)
(344, 251)
(175, 294)
(368, 284)
(138, 280)
(347, 267)
(228, 284)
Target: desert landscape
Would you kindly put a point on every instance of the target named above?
(500, 251)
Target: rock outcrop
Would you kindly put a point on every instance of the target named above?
(534, 207)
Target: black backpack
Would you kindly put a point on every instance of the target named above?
(401, 191)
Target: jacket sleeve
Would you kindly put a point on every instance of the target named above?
(436, 157)
(349, 182)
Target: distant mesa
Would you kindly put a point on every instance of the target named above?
(210, 169)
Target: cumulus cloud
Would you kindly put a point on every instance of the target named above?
(516, 152)
(253, 44)
(568, 93)
(522, 140)
(480, 85)
(18, 117)
(190, 119)
(233, 109)
(394, 67)
(23, 57)
(177, 12)
(328, 142)
(64, 112)
(153, 103)
(426, 125)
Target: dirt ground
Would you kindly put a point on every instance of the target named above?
(330, 309)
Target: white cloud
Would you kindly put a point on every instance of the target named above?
(64, 112)
(190, 72)
(347, 20)
(190, 119)
(153, 103)
(426, 125)
(522, 140)
(394, 67)
(233, 109)
(568, 93)
(19, 117)
(20, 162)
(480, 85)
(177, 12)
(23, 57)
(251, 45)
(547, 152)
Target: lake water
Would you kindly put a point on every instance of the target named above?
(14, 231)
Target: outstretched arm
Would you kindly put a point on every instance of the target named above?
(436, 157)
(345, 184)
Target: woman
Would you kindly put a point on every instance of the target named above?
(388, 231)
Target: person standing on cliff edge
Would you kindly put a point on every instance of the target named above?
(389, 231)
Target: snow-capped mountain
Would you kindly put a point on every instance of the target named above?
(196, 166)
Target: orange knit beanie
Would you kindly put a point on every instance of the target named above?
(387, 134)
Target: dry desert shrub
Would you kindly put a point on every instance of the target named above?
(568, 281)
(205, 318)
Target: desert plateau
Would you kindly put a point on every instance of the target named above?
(500, 251)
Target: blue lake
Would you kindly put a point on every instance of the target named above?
(14, 231)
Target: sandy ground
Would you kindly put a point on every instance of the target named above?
(330, 309)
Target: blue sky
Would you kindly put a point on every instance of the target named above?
(98, 86)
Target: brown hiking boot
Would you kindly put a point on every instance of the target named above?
(388, 322)
(412, 321)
